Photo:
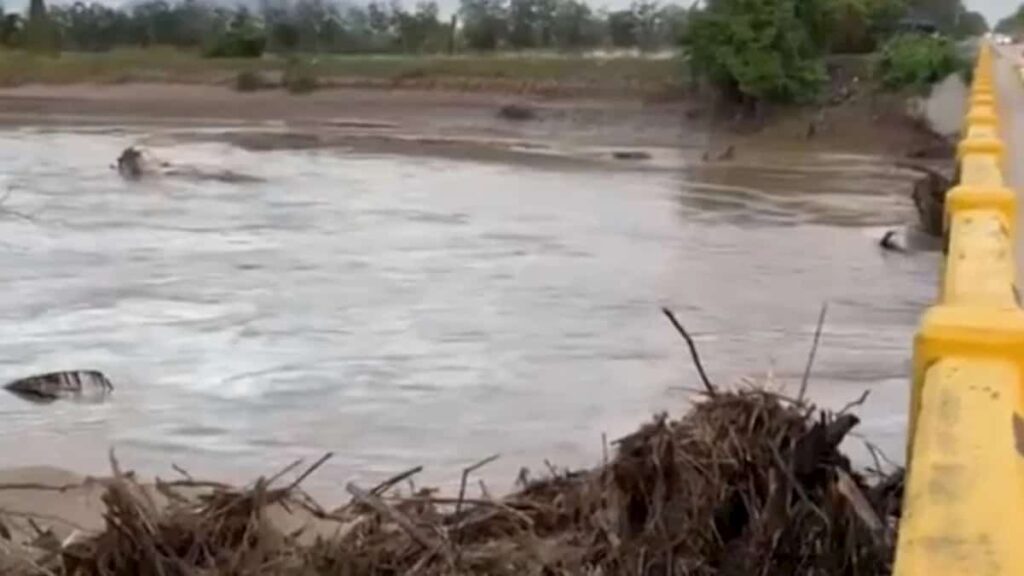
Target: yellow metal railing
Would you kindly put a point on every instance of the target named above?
(963, 510)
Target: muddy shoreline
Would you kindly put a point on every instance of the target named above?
(463, 123)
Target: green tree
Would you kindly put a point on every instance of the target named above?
(242, 37)
(332, 33)
(544, 16)
(41, 35)
(484, 23)
(816, 19)
(186, 24)
(419, 31)
(971, 24)
(884, 17)
(523, 24)
(308, 17)
(622, 26)
(380, 18)
(944, 13)
(356, 33)
(646, 15)
(1012, 24)
(282, 33)
(672, 21)
(11, 29)
(195, 22)
(917, 61)
(851, 31)
(757, 50)
(573, 26)
(285, 36)
(646, 25)
(92, 27)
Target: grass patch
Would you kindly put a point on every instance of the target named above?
(500, 71)
(17, 67)
(512, 67)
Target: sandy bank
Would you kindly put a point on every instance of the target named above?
(64, 502)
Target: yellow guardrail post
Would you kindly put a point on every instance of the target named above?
(963, 510)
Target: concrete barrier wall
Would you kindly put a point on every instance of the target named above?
(963, 510)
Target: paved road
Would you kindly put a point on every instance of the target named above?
(1011, 104)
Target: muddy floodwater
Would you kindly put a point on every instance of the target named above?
(402, 310)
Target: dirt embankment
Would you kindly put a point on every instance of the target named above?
(410, 121)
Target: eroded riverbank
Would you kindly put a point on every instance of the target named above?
(873, 125)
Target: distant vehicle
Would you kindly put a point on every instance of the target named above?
(1002, 40)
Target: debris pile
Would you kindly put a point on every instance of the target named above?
(748, 482)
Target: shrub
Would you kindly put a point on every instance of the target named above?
(917, 61)
(252, 80)
(299, 77)
(237, 44)
(757, 50)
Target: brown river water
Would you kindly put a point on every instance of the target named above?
(404, 310)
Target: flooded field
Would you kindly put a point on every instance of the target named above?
(404, 310)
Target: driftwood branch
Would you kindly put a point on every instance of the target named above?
(41, 487)
(184, 473)
(787, 471)
(30, 516)
(814, 351)
(849, 489)
(708, 386)
(302, 477)
(284, 471)
(392, 481)
(465, 477)
(856, 403)
(389, 512)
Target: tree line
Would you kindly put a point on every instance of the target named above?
(1012, 24)
(751, 50)
(334, 27)
(482, 25)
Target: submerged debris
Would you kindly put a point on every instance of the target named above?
(910, 239)
(929, 196)
(43, 388)
(135, 164)
(517, 112)
(747, 482)
(631, 155)
(129, 163)
(726, 155)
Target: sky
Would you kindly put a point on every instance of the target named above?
(994, 10)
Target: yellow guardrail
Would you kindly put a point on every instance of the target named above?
(963, 510)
